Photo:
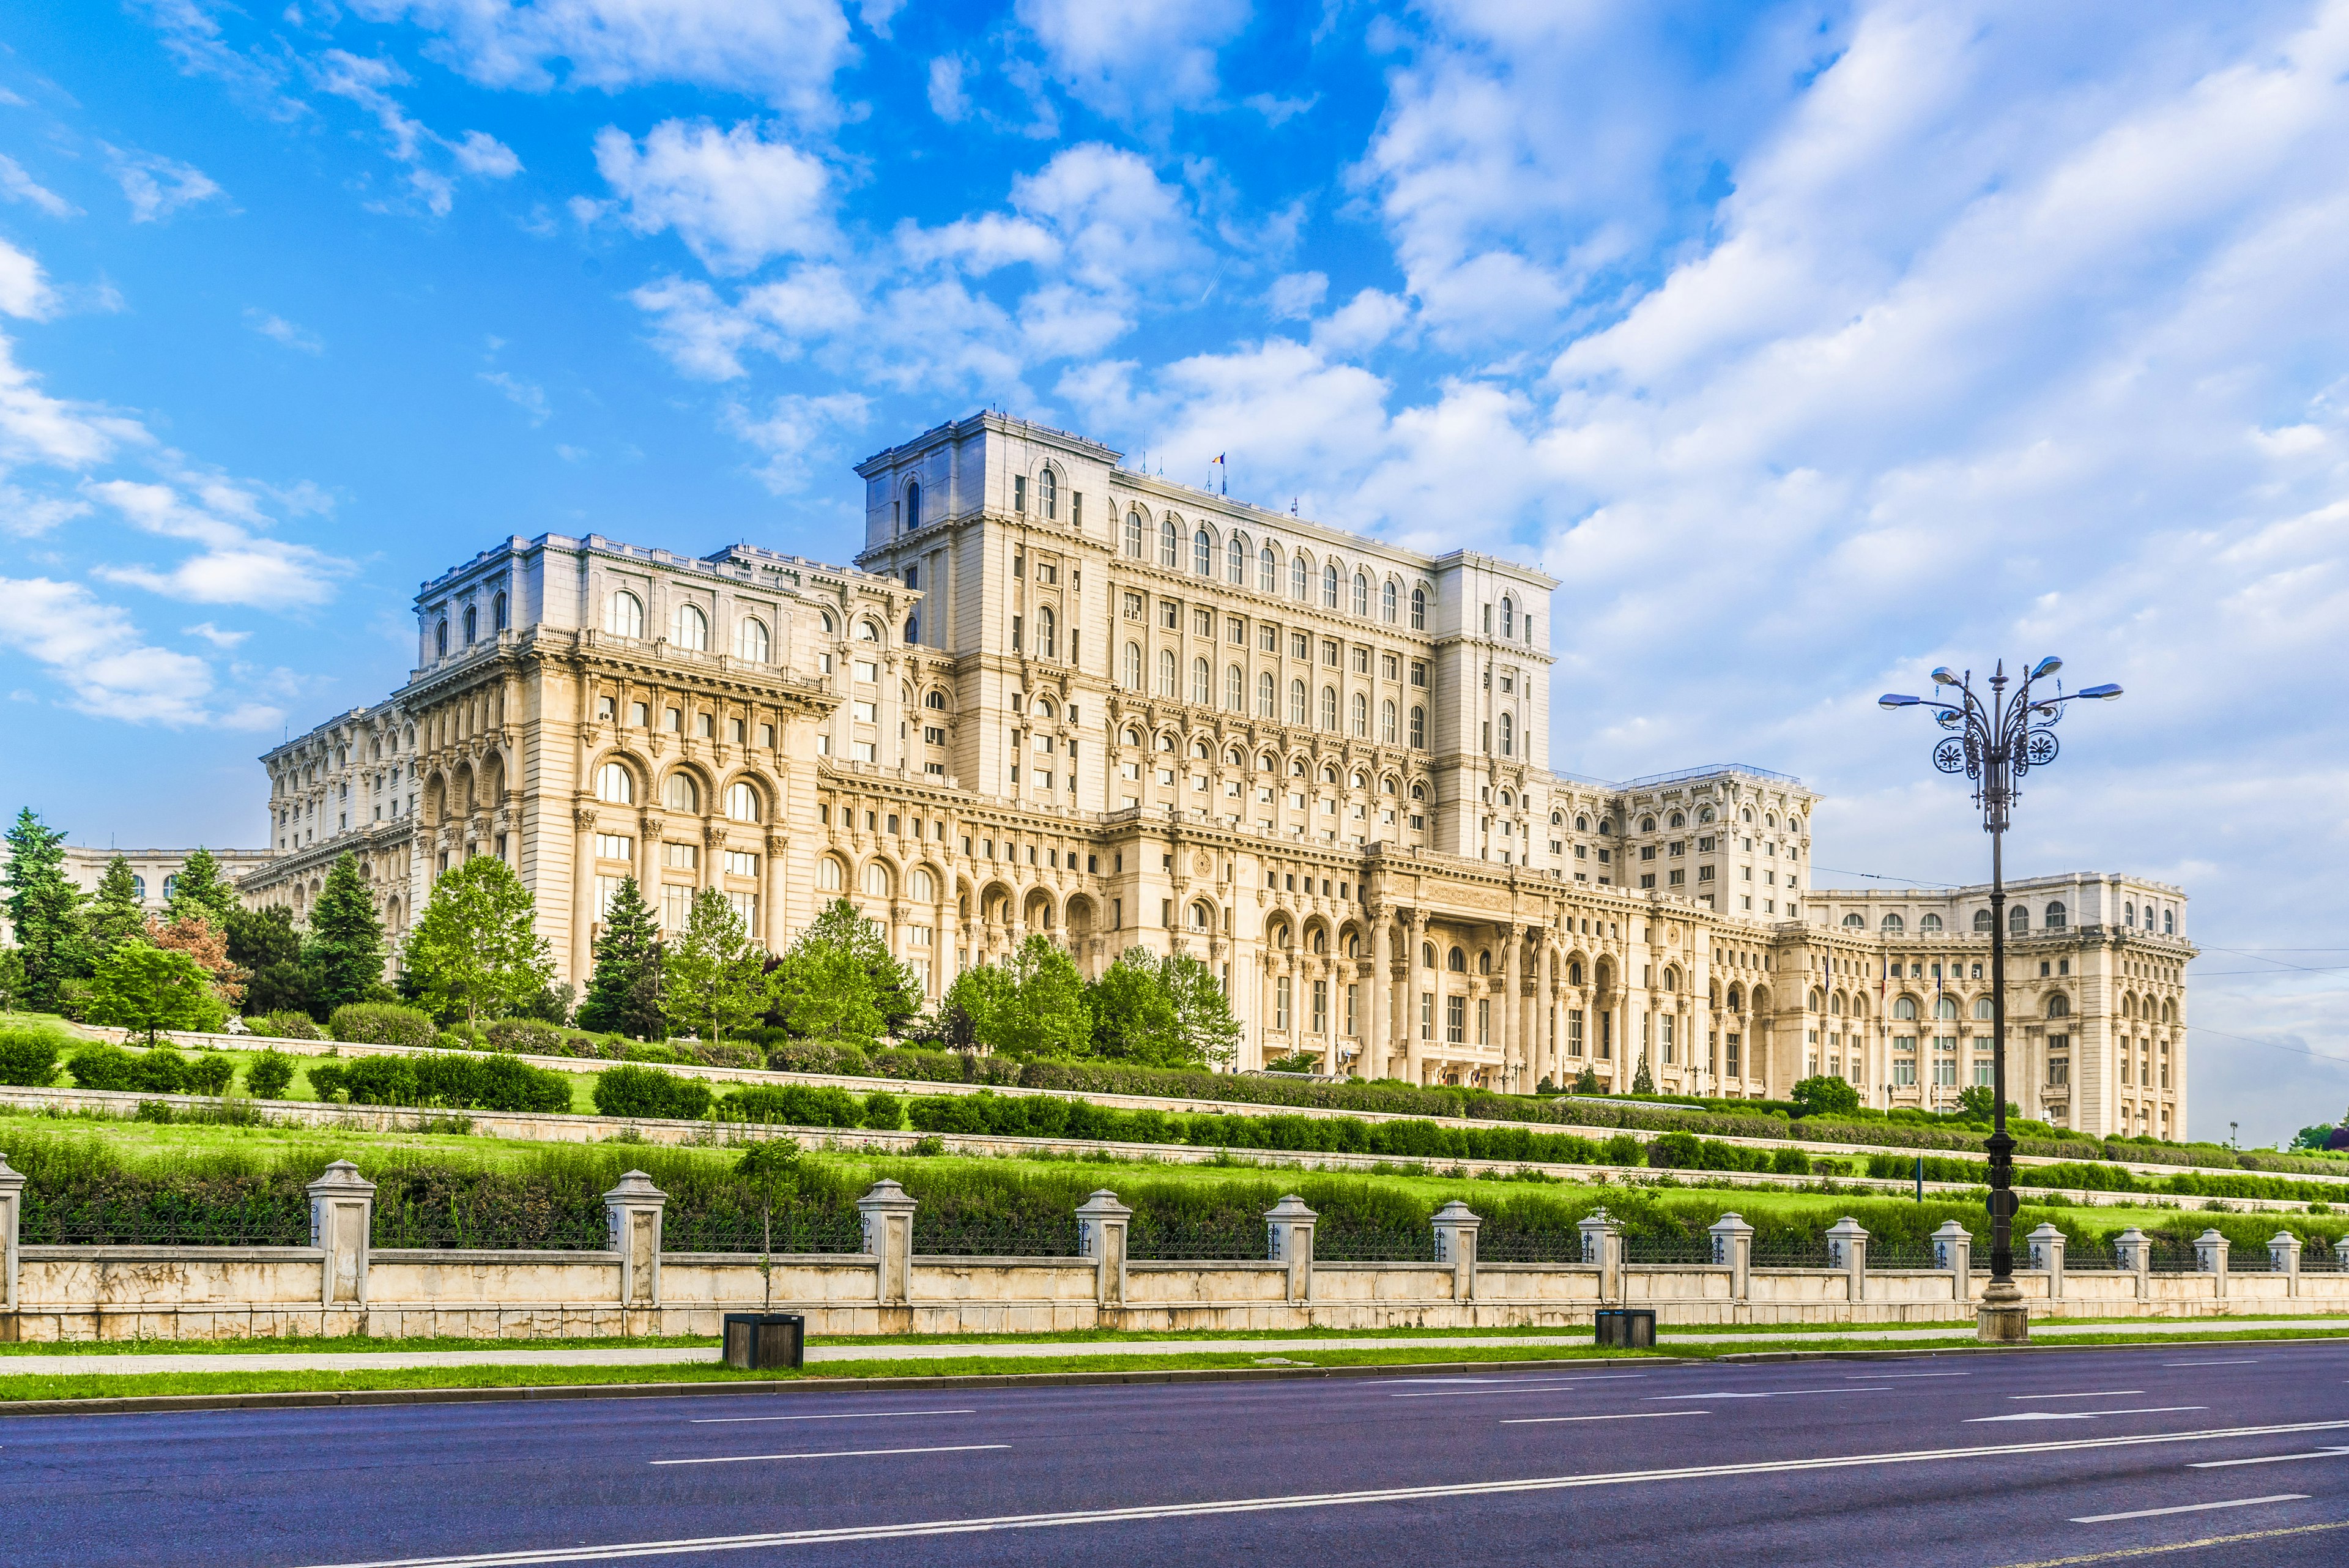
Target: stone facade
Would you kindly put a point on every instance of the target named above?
(154, 868)
(1055, 695)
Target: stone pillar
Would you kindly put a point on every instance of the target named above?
(1602, 1243)
(2133, 1252)
(2283, 1256)
(1733, 1249)
(1455, 1243)
(776, 882)
(1526, 1000)
(1847, 1251)
(1100, 1236)
(2047, 1255)
(1378, 1040)
(632, 1210)
(2210, 1258)
(1506, 1025)
(342, 1214)
(888, 1214)
(2340, 1253)
(11, 1211)
(583, 895)
(1953, 1254)
(650, 825)
(1414, 1069)
(1288, 1239)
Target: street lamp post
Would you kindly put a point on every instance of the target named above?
(1994, 743)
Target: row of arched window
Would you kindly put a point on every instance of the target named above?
(877, 880)
(615, 784)
(1394, 727)
(2018, 920)
(472, 625)
(1339, 591)
(623, 616)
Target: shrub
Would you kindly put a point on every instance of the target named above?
(28, 1057)
(529, 1036)
(634, 1091)
(381, 1024)
(208, 1073)
(883, 1111)
(452, 1080)
(327, 1080)
(287, 1025)
(796, 1105)
(448, 1041)
(269, 1075)
(112, 1067)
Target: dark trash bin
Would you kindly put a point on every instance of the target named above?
(761, 1341)
(1627, 1328)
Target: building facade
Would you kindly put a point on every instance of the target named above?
(1055, 695)
(152, 871)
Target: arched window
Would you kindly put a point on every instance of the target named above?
(1927, 924)
(1201, 684)
(1361, 596)
(1236, 688)
(1330, 586)
(614, 785)
(498, 613)
(750, 640)
(1856, 921)
(1982, 1007)
(2055, 918)
(1387, 723)
(827, 874)
(1329, 707)
(1133, 535)
(1419, 729)
(1815, 1003)
(1047, 638)
(1946, 1007)
(934, 699)
(2169, 922)
(1508, 735)
(1296, 570)
(1133, 667)
(1048, 491)
(920, 886)
(2128, 916)
(1203, 553)
(441, 640)
(1893, 925)
(1427, 955)
(913, 507)
(1582, 824)
(1387, 603)
(1268, 697)
(1678, 820)
(2059, 1006)
(1982, 920)
(1168, 683)
(1297, 702)
(1170, 544)
(1267, 571)
(1419, 609)
(1904, 1007)
(692, 629)
(1360, 712)
(877, 880)
(679, 792)
(472, 624)
(1456, 961)
(868, 631)
(1202, 916)
(742, 803)
(2018, 920)
(1508, 617)
(1236, 561)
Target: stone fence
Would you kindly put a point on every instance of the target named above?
(339, 1283)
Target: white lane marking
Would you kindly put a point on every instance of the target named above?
(1627, 1416)
(2082, 1415)
(1768, 1394)
(2267, 1460)
(2254, 1360)
(925, 1527)
(1526, 1388)
(835, 1454)
(2089, 1393)
(2191, 1508)
(842, 1415)
(1889, 1376)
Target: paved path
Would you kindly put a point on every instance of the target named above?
(1269, 1350)
(1990, 1461)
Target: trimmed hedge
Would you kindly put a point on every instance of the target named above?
(634, 1091)
(2103, 1178)
(28, 1057)
(160, 1071)
(285, 1025)
(381, 1024)
(456, 1080)
(270, 1076)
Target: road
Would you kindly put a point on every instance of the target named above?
(1974, 1460)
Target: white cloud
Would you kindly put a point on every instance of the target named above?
(368, 83)
(29, 515)
(16, 185)
(1298, 294)
(1362, 324)
(215, 636)
(698, 332)
(479, 152)
(35, 427)
(948, 101)
(234, 566)
(1141, 58)
(279, 330)
(98, 654)
(24, 292)
(794, 431)
(156, 187)
(734, 197)
(527, 396)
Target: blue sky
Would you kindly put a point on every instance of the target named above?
(1810, 345)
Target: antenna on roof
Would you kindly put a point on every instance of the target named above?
(1292, 504)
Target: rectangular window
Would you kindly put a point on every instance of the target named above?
(1427, 1015)
(868, 671)
(746, 910)
(1359, 661)
(1483, 1021)
(1353, 1005)
(1280, 999)
(1133, 606)
(607, 889)
(681, 856)
(677, 905)
(739, 863)
(1731, 1046)
(1019, 503)
(1455, 1020)
(1268, 638)
(1235, 631)
(2059, 1071)
(1677, 876)
(1203, 623)
(860, 751)
(1904, 1074)
(1574, 1032)
(1419, 672)
(1321, 1007)
(1389, 666)
(865, 712)
(1328, 653)
(614, 846)
(934, 734)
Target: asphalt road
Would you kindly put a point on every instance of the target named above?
(1979, 1460)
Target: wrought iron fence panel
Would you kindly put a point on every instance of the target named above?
(1793, 1255)
(2173, 1260)
(1889, 1254)
(790, 1231)
(2091, 1260)
(1173, 1243)
(1047, 1239)
(1640, 1249)
(1529, 1246)
(1373, 1247)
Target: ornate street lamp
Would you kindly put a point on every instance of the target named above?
(1994, 743)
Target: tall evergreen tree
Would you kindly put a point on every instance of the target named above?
(897, 990)
(713, 977)
(200, 889)
(624, 992)
(476, 947)
(115, 913)
(344, 948)
(264, 943)
(44, 908)
(839, 981)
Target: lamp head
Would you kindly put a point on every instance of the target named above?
(1945, 676)
(1894, 700)
(2046, 667)
(2103, 694)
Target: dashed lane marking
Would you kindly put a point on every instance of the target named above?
(2164, 1547)
(2192, 1508)
(835, 1454)
(1627, 1415)
(2268, 1460)
(2086, 1394)
(839, 1416)
(2083, 1415)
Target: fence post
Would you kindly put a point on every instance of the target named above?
(12, 1214)
(2210, 1258)
(1733, 1249)
(2340, 1253)
(342, 1216)
(632, 1213)
(1288, 1239)
(888, 1214)
(1602, 1243)
(1953, 1253)
(1455, 1243)
(1847, 1251)
(2133, 1249)
(2047, 1253)
(2283, 1257)
(1100, 1236)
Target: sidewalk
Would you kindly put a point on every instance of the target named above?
(519, 1355)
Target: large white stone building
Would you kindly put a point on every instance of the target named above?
(1056, 695)
(152, 872)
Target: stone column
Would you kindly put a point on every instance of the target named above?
(1100, 1236)
(776, 882)
(11, 1209)
(1602, 1243)
(1531, 1040)
(342, 1214)
(632, 1212)
(649, 827)
(2340, 1253)
(1379, 1037)
(1413, 1054)
(887, 1212)
(1288, 1239)
(1733, 1249)
(1455, 1243)
(1847, 1251)
(2135, 1252)
(1953, 1249)
(2283, 1256)
(2210, 1258)
(582, 894)
(2047, 1255)
(1505, 1026)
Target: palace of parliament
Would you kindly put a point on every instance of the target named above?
(1056, 695)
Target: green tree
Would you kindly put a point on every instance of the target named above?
(476, 947)
(1031, 1004)
(1587, 1081)
(1976, 1102)
(200, 889)
(150, 989)
(897, 990)
(1643, 1081)
(1822, 1095)
(820, 991)
(343, 950)
(1161, 1012)
(713, 977)
(45, 909)
(1203, 1014)
(115, 915)
(624, 992)
(264, 944)
(12, 979)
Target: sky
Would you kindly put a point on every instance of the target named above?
(1810, 346)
